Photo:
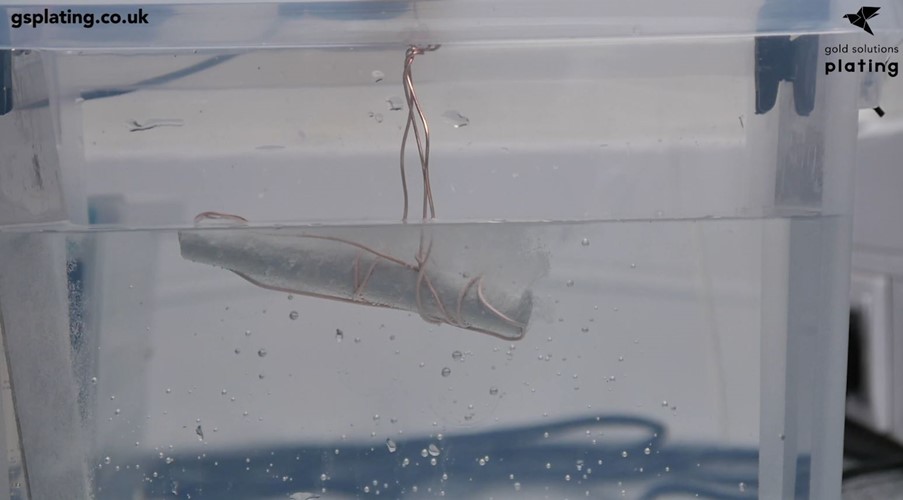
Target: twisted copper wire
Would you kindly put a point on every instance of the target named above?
(423, 144)
(416, 122)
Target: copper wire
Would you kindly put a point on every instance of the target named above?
(418, 125)
(416, 121)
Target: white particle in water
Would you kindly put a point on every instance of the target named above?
(93, 380)
(377, 75)
(624, 454)
(433, 450)
(516, 486)
(405, 462)
(169, 460)
(433, 461)
(247, 333)
(323, 477)
(446, 371)
(585, 242)
(106, 460)
(424, 453)
(632, 265)
(742, 487)
(223, 392)
(293, 315)
(647, 451)
(570, 283)
(567, 477)
(357, 340)
(481, 461)
(391, 445)
(339, 335)
(117, 411)
(376, 417)
(262, 353)
(548, 465)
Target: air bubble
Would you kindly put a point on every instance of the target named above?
(446, 371)
(262, 353)
(395, 103)
(293, 315)
(456, 119)
(585, 242)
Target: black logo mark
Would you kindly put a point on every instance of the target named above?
(861, 18)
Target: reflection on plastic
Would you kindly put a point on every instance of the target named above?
(555, 457)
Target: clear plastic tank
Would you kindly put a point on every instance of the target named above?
(635, 284)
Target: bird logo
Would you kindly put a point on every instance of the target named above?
(861, 18)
